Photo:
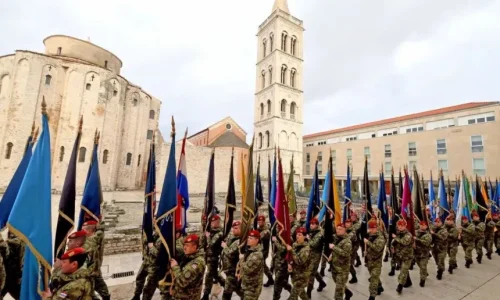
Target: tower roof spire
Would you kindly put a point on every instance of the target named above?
(282, 5)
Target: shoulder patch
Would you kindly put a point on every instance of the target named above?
(194, 266)
(62, 295)
(187, 274)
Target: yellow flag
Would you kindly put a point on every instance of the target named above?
(336, 201)
(243, 179)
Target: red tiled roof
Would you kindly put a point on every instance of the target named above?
(405, 118)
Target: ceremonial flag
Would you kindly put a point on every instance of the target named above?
(336, 201)
(443, 209)
(406, 205)
(482, 208)
(208, 206)
(10, 195)
(462, 209)
(367, 199)
(150, 196)
(182, 189)
(92, 194)
(484, 192)
(455, 196)
(432, 198)
(324, 197)
(243, 179)
(329, 213)
(259, 196)
(290, 191)
(496, 197)
(248, 203)
(314, 203)
(417, 198)
(395, 210)
(491, 191)
(282, 209)
(382, 201)
(347, 193)
(448, 193)
(165, 217)
(66, 218)
(30, 217)
(400, 191)
(230, 200)
(271, 178)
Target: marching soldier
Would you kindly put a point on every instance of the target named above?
(316, 242)
(375, 244)
(466, 236)
(265, 238)
(280, 267)
(142, 274)
(294, 225)
(452, 243)
(213, 240)
(252, 267)
(479, 235)
(496, 219)
(189, 273)
(403, 250)
(423, 244)
(300, 265)
(355, 245)
(489, 235)
(340, 259)
(230, 252)
(148, 270)
(440, 241)
(14, 266)
(356, 227)
(3, 257)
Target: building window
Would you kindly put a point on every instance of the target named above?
(476, 143)
(262, 109)
(367, 152)
(61, 153)
(320, 169)
(320, 156)
(152, 114)
(309, 144)
(387, 168)
(334, 154)
(283, 108)
(308, 157)
(351, 138)
(441, 146)
(368, 168)
(293, 107)
(81, 155)
(88, 86)
(263, 79)
(293, 43)
(471, 121)
(59, 50)
(308, 170)
(443, 165)
(105, 156)
(129, 159)
(283, 74)
(412, 164)
(139, 160)
(374, 135)
(8, 151)
(270, 75)
(334, 167)
(387, 151)
(228, 126)
(268, 139)
(150, 135)
(271, 42)
(412, 149)
(320, 143)
(292, 77)
(105, 64)
(478, 166)
(349, 154)
(284, 37)
(490, 119)
(260, 140)
(48, 78)
(115, 92)
(268, 107)
(135, 102)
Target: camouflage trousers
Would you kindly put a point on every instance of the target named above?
(339, 276)
(422, 262)
(13, 287)
(299, 283)
(375, 268)
(488, 244)
(3, 276)
(315, 261)
(268, 272)
(251, 293)
(479, 247)
(140, 279)
(439, 258)
(100, 286)
(231, 285)
(468, 250)
(151, 284)
(280, 280)
(324, 260)
(211, 275)
(405, 269)
(497, 240)
(354, 252)
(452, 253)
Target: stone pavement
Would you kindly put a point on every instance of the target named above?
(481, 281)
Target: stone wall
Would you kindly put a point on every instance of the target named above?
(122, 243)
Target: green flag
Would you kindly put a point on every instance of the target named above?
(248, 203)
(290, 192)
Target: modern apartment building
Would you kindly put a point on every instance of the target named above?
(461, 137)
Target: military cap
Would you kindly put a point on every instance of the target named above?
(449, 218)
(90, 223)
(215, 218)
(437, 219)
(474, 213)
(77, 234)
(236, 223)
(401, 222)
(341, 225)
(372, 223)
(204, 218)
(254, 233)
(347, 220)
(73, 252)
(192, 238)
(423, 223)
(303, 212)
(464, 218)
(261, 218)
(314, 221)
(301, 230)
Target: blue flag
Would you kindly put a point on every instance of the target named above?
(165, 217)
(9, 197)
(347, 193)
(432, 199)
(92, 194)
(455, 197)
(259, 196)
(30, 218)
(382, 202)
(496, 198)
(272, 192)
(325, 196)
(150, 197)
(444, 208)
(314, 204)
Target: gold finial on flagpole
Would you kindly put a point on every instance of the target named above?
(173, 127)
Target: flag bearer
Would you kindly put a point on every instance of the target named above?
(213, 242)
(423, 244)
(479, 235)
(340, 260)
(265, 238)
(466, 235)
(440, 243)
(300, 265)
(403, 250)
(452, 243)
(252, 267)
(375, 244)
(316, 242)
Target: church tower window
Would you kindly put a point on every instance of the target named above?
(270, 75)
(283, 108)
(8, 151)
(48, 79)
(152, 114)
(139, 160)
(263, 79)
(268, 107)
(135, 102)
(271, 42)
(293, 109)
(268, 139)
(284, 37)
(293, 43)
(129, 159)
(260, 140)
(262, 109)
(292, 77)
(105, 155)
(264, 46)
(61, 153)
(283, 74)
(81, 155)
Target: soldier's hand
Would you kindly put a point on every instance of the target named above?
(223, 245)
(57, 263)
(366, 240)
(46, 294)
(173, 263)
(393, 235)
(308, 236)
(331, 246)
(207, 234)
(274, 239)
(288, 247)
(414, 238)
(242, 256)
(150, 245)
(290, 268)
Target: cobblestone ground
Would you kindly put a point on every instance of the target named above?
(481, 281)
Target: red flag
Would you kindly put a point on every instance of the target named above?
(407, 206)
(281, 210)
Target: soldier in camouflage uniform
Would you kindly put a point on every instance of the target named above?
(142, 274)
(230, 253)
(188, 273)
(76, 284)
(14, 266)
(489, 235)
(452, 247)
(356, 227)
(280, 267)
(300, 265)
(213, 250)
(4, 251)
(355, 245)
(479, 235)
(423, 244)
(496, 220)
(316, 245)
(466, 236)
(440, 244)
(147, 270)
(403, 250)
(265, 238)
(375, 244)
(95, 238)
(340, 260)
(252, 267)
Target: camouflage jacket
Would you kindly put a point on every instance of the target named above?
(296, 224)
(188, 276)
(316, 242)
(214, 244)
(452, 234)
(341, 253)
(423, 243)
(265, 237)
(15, 261)
(301, 256)
(375, 248)
(76, 286)
(468, 233)
(440, 239)
(4, 249)
(279, 255)
(3, 275)
(252, 268)
(179, 249)
(403, 245)
(480, 228)
(356, 228)
(353, 236)
(489, 232)
(230, 254)
(497, 224)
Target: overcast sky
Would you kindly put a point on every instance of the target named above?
(364, 60)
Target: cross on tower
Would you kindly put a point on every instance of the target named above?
(114, 83)
(50, 68)
(92, 78)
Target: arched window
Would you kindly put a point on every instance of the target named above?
(48, 78)
(61, 153)
(283, 74)
(293, 43)
(260, 140)
(8, 151)
(135, 101)
(284, 37)
(264, 46)
(81, 155)
(292, 77)
(268, 107)
(88, 86)
(268, 139)
(263, 79)
(283, 108)
(152, 114)
(129, 159)
(262, 109)
(293, 110)
(270, 74)
(139, 160)
(271, 42)
(105, 155)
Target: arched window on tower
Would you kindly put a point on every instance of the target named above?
(81, 155)
(284, 36)
(293, 110)
(268, 107)
(283, 108)
(262, 109)
(139, 160)
(129, 159)
(292, 77)
(61, 153)
(152, 114)
(105, 155)
(8, 151)
(270, 75)
(293, 44)
(268, 139)
(48, 79)
(271, 42)
(263, 79)
(260, 140)
(264, 46)
(283, 74)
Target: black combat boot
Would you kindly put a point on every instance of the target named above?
(467, 264)
(399, 289)
(309, 292)
(136, 297)
(358, 261)
(226, 296)
(455, 266)
(398, 267)
(392, 272)
(422, 282)
(488, 255)
(371, 298)
(288, 287)
(348, 294)
(380, 289)
(321, 286)
(408, 281)
(206, 296)
(450, 269)
(412, 265)
(269, 282)
(479, 259)
(354, 279)
(330, 268)
(322, 272)
(106, 297)
(439, 275)
(386, 257)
